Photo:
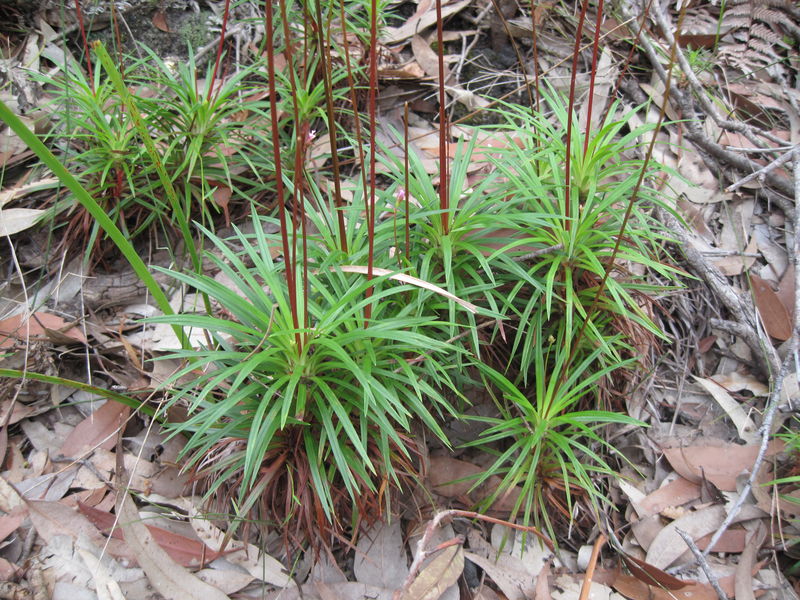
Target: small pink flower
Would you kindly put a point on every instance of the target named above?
(311, 135)
(400, 194)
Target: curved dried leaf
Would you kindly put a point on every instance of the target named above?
(773, 313)
(442, 572)
(14, 220)
(381, 556)
(98, 430)
(249, 557)
(719, 464)
(167, 577)
(185, 551)
(402, 277)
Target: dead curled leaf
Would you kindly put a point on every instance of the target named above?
(744, 424)
(772, 311)
(165, 575)
(97, 430)
(631, 587)
(668, 546)
(721, 465)
(185, 551)
(442, 572)
(14, 220)
(39, 324)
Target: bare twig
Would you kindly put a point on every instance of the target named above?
(539, 252)
(695, 134)
(762, 172)
(777, 386)
(740, 306)
(422, 554)
(712, 578)
(586, 587)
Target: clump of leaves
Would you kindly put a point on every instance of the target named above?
(102, 148)
(303, 420)
(451, 247)
(203, 135)
(549, 448)
(581, 307)
(602, 238)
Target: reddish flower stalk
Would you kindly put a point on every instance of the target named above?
(276, 152)
(219, 48)
(325, 59)
(301, 129)
(405, 180)
(79, 17)
(353, 100)
(595, 48)
(570, 109)
(373, 107)
(444, 198)
(534, 39)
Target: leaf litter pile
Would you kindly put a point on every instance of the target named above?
(95, 504)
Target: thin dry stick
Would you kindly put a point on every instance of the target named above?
(539, 252)
(586, 587)
(740, 306)
(696, 135)
(421, 554)
(775, 396)
(699, 90)
(762, 172)
(712, 578)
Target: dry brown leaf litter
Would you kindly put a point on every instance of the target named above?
(57, 513)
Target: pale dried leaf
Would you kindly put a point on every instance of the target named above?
(14, 220)
(442, 572)
(528, 551)
(52, 519)
(105, 586)
(426, 57)
(743, 579)
(568, 588)
(261, 566)
(420, 22)
(50, 487)
(416, 281)
(744, 425)
(736, 382)
(515, 583)
(168, 578)
(605, 75)
(227, 580)
(350, 590)
(98, 430)
(380, 558)
(668, 546)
